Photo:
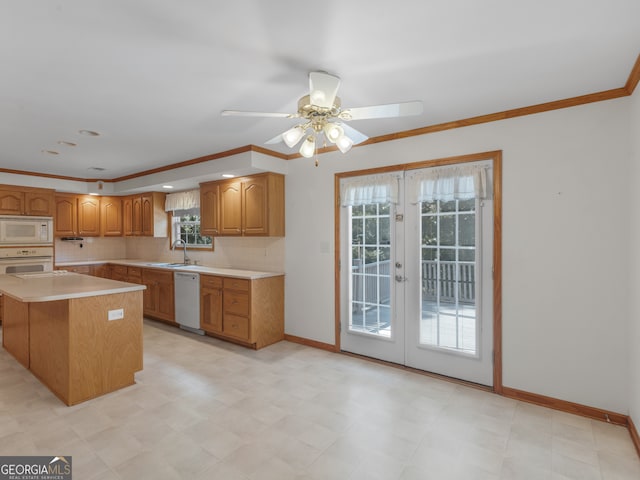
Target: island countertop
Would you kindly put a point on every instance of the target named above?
(49, 286)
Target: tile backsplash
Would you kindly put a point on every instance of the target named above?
(250, 253)
(91, 248)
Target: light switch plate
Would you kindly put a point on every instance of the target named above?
(116, 314)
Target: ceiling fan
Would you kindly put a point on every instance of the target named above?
(322, 114)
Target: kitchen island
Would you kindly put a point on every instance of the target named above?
(79, 335)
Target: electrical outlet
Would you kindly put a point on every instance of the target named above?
(116, 314)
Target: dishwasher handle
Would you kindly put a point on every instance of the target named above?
(192, 276)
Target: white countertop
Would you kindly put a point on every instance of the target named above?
(223, 272)
(48, 286)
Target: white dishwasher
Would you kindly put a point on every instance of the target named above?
(187, 301)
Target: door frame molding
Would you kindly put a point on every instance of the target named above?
(496, 158)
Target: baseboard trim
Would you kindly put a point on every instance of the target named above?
(565, 406)
(635, 437)
(310, 343)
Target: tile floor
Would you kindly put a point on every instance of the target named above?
(206, 409)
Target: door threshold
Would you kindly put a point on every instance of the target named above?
(437, 376)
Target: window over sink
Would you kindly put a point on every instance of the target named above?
(184, 208)
(185, 226)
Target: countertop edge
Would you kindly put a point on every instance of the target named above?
(218, 271)
(69, 296)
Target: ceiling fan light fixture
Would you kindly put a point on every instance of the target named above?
(344, 143)
(308, 147)
(292, 136)
(333, 132)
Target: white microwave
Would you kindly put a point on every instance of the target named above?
(16, 230)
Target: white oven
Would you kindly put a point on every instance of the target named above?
(26, 259)
(21, 230)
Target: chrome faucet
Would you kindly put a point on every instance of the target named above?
(187, 260)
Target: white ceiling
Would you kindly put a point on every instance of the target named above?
(153, 75)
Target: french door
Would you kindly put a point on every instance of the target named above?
(416, 281)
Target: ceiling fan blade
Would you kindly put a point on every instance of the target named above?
(241, 113)
(323, 88)
(382, 111)
(277, 139)
(353, 134)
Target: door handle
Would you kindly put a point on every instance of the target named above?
(400, 278)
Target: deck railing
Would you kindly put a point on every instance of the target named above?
(466, 281)
(367, 291)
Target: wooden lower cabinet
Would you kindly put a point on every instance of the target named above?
(102, 270)
(211, 303)
(83, 269)
(250, 312)
(158, 301)
(96, 269)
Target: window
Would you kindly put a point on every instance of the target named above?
(185, 226)
(371, 269)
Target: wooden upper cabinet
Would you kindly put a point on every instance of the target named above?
(76, 215)
(11, 202)
(231, 207)
(66, 215)
(147, 215)
(209, 208)
(26, 201)
(127, 216)
(111, 216)
(136, 216)
(249, 206)
(39, 203)
(144, 215)
(255, 202)
(88, 215)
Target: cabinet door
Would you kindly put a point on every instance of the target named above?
(136, 216)
(158, 297)
(150, 297)
(39, 203)
(111, 216)
(211, 303)
(231, 208)
(166, 303)
(209, 206)
(89, 215)
(254, 206)
(66, 218)
(11, 202)
(147, 215)
(119, 272)
(103, 271)
(127, 216)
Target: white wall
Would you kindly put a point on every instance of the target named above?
(634, 263)
(565, 244)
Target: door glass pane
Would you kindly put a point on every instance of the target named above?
(371, 269)
(448, 252)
